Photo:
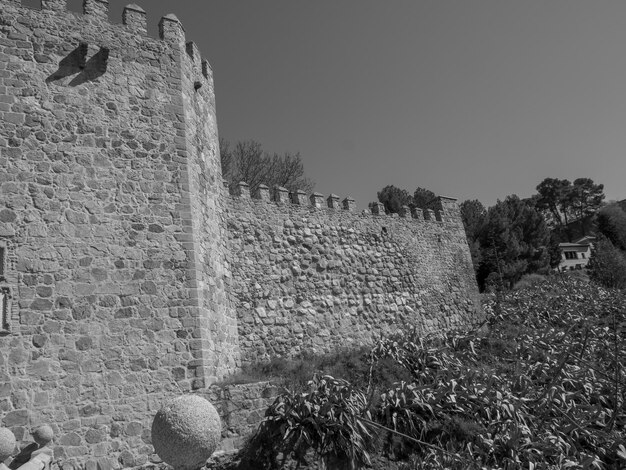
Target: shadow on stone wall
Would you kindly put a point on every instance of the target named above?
(76, 63)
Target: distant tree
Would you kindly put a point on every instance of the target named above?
(422, 197)
(585, 197)
(394, 198)
(553, 199)
(514, 241)
(611, 222)
(607, 265)
(248, 162)
(554, 252)
(562, 202)
(534, 235)
(473, 214)
(287, 170)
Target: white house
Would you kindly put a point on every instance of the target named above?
(576, 255)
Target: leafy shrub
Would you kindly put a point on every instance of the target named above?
(611, 222)
(529, 280)
(330, 420)
(607, 265)
(544, 388)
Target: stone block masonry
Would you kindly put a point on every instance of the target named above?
(241, 408)
(110, 228)
(128, 275)
(317, 278)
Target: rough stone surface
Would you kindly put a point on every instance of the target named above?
(7, 444)
(315, 280)
(242, 408)
(109, 174)
(186, 431)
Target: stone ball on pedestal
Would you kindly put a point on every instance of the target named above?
(43, 435)
(186, 431)
(7, 444)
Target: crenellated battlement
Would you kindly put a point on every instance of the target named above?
(134, 20)
(441, 209)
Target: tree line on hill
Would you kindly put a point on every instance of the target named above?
(506, 241)
(518, 236)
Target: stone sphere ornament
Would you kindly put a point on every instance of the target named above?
(186, 431)
(43, 435)
(7, 444)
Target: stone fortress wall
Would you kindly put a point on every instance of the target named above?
(109, 219)
(129, 274)
(313, 275)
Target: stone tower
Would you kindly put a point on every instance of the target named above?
(109, 171)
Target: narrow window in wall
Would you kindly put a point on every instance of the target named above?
(5, 308)
(5, 289)
(3, 257)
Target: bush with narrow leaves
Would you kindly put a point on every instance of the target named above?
(544, 388)
(330, 422)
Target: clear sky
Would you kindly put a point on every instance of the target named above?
(472, 99)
